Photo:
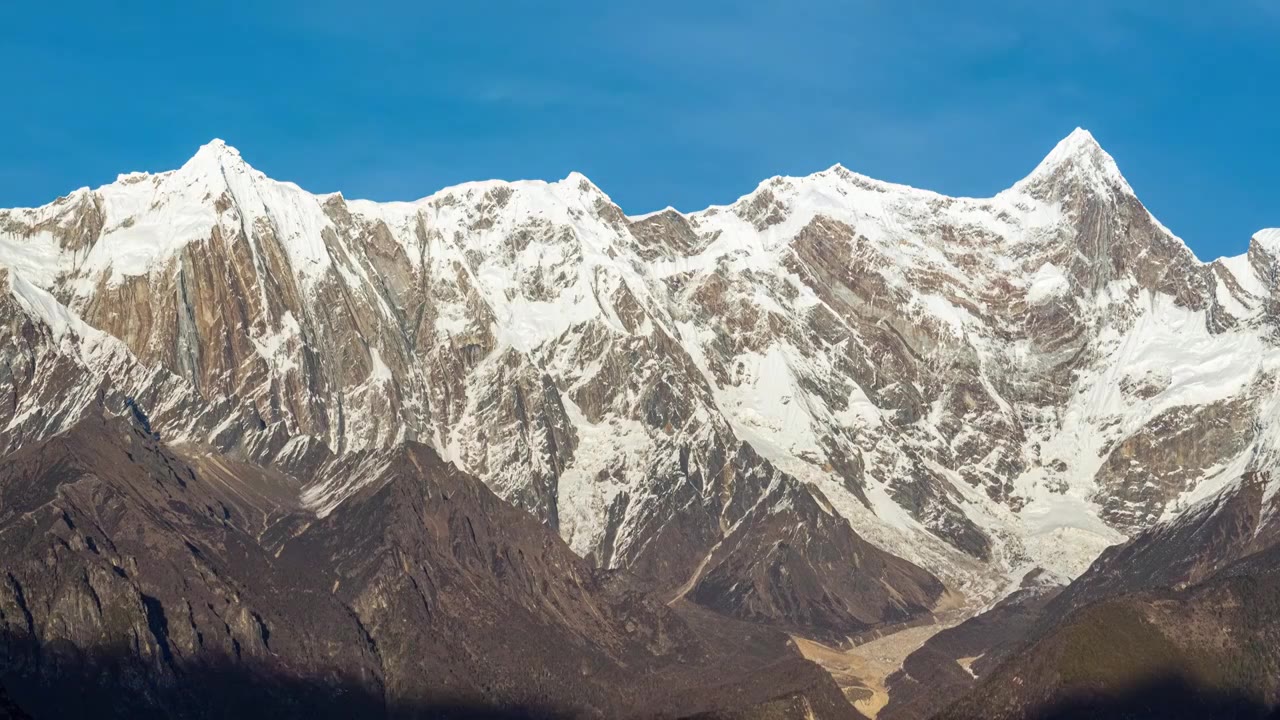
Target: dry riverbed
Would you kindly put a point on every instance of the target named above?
(861, 671)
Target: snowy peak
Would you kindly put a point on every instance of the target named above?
(213, 159)
(1078, 148)
(583, 183)
(215, 151)
(1076, 163)
(1268, 240)
(1078, 141)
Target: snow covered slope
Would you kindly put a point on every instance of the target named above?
(981, 386)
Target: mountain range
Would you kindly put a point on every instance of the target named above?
(509, 449)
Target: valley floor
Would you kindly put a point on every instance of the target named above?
(862, 670)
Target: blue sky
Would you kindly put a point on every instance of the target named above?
(661, 102)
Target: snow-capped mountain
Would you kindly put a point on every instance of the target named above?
(806, 407)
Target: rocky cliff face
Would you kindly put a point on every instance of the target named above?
(813, 407)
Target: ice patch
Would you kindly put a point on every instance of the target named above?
(1048, 282)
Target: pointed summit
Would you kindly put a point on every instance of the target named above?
(1078, 140)
(1076, 162)
(1078, 147)
(215, 155)
(578, 180)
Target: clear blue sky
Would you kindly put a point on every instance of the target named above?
(659, 102)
